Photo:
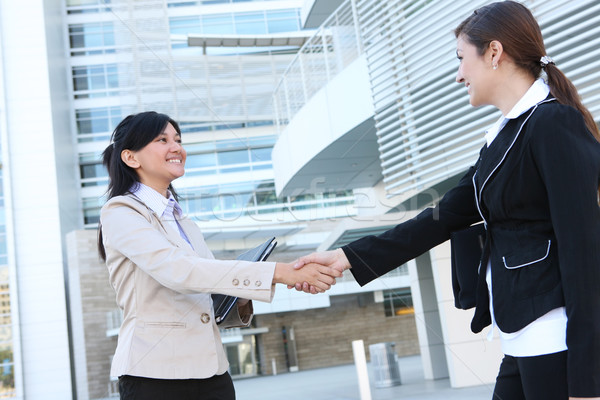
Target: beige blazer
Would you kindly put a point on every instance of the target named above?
(163, 287)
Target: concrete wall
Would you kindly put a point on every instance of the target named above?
(91, 298)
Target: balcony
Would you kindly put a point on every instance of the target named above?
(324, 113)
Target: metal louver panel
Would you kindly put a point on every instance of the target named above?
(427, 131)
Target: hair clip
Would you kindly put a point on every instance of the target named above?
(545, 60)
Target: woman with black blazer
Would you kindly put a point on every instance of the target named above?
(535, 187)
(163, 272)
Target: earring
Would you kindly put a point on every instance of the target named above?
(495, 66)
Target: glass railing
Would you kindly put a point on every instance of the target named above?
(332, 48)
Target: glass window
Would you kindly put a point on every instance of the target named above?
(201, 160)
(97, 120)
(283, 21)
(250, 23)
(7, 376)
(112, 76)
(91, 216)
(3, 244)
(261, 140)
(196, 147)
(266, 197)
(185, 25)
(233, 157)
(75, 3)
(87, 6)
(231, 144)
(96, 78)
(218, 24)
(234, 200)
(92, 171)
(182, 4)
(397, 302)
(76, 36)
(7, 385)
(91, 35)
(80, 81)
(261, 155)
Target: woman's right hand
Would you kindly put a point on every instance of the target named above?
(318, 276)
(334, 259)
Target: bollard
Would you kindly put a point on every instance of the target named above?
(360, 360)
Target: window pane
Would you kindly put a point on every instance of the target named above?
(112, 76)
(201, 160)
(397, 303)
(250, 23)
(220, 24)
(233, 157)
(185, 25)
(76, 37)
(109, 38)
(97, 82)
(282, 25)
(80, 83)
(282, 21)
(260, 155)
(91, 216)
(97, 120)
(93, 171)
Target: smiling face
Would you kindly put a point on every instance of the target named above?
(476, 72)
(160, 161)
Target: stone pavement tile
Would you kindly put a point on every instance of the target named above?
(341, 383)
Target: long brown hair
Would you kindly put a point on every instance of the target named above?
(513, 25)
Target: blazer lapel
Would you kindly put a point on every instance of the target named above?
(493, 157)
(172, 234)
(196, 238)
(496, 152)
(188, 226)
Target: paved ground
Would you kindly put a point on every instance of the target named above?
(340, 383)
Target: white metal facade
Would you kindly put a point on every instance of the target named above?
(427, 131)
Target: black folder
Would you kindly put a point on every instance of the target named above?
(223, 303)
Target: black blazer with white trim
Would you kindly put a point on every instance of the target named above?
(536, 189)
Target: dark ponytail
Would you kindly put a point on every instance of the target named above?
(566, 93)
(133, 133)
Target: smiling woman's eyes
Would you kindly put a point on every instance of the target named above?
(165, 139)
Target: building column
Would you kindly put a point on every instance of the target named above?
(427, 318)
(471, 359)
(39, 170)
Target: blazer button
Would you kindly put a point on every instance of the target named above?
(235, 282)
(258, 283)
(246, 282)
(205, 318)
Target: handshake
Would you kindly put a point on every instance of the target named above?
(314, 273)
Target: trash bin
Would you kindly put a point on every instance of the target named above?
(384, 362)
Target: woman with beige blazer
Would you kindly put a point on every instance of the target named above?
(163, 273)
